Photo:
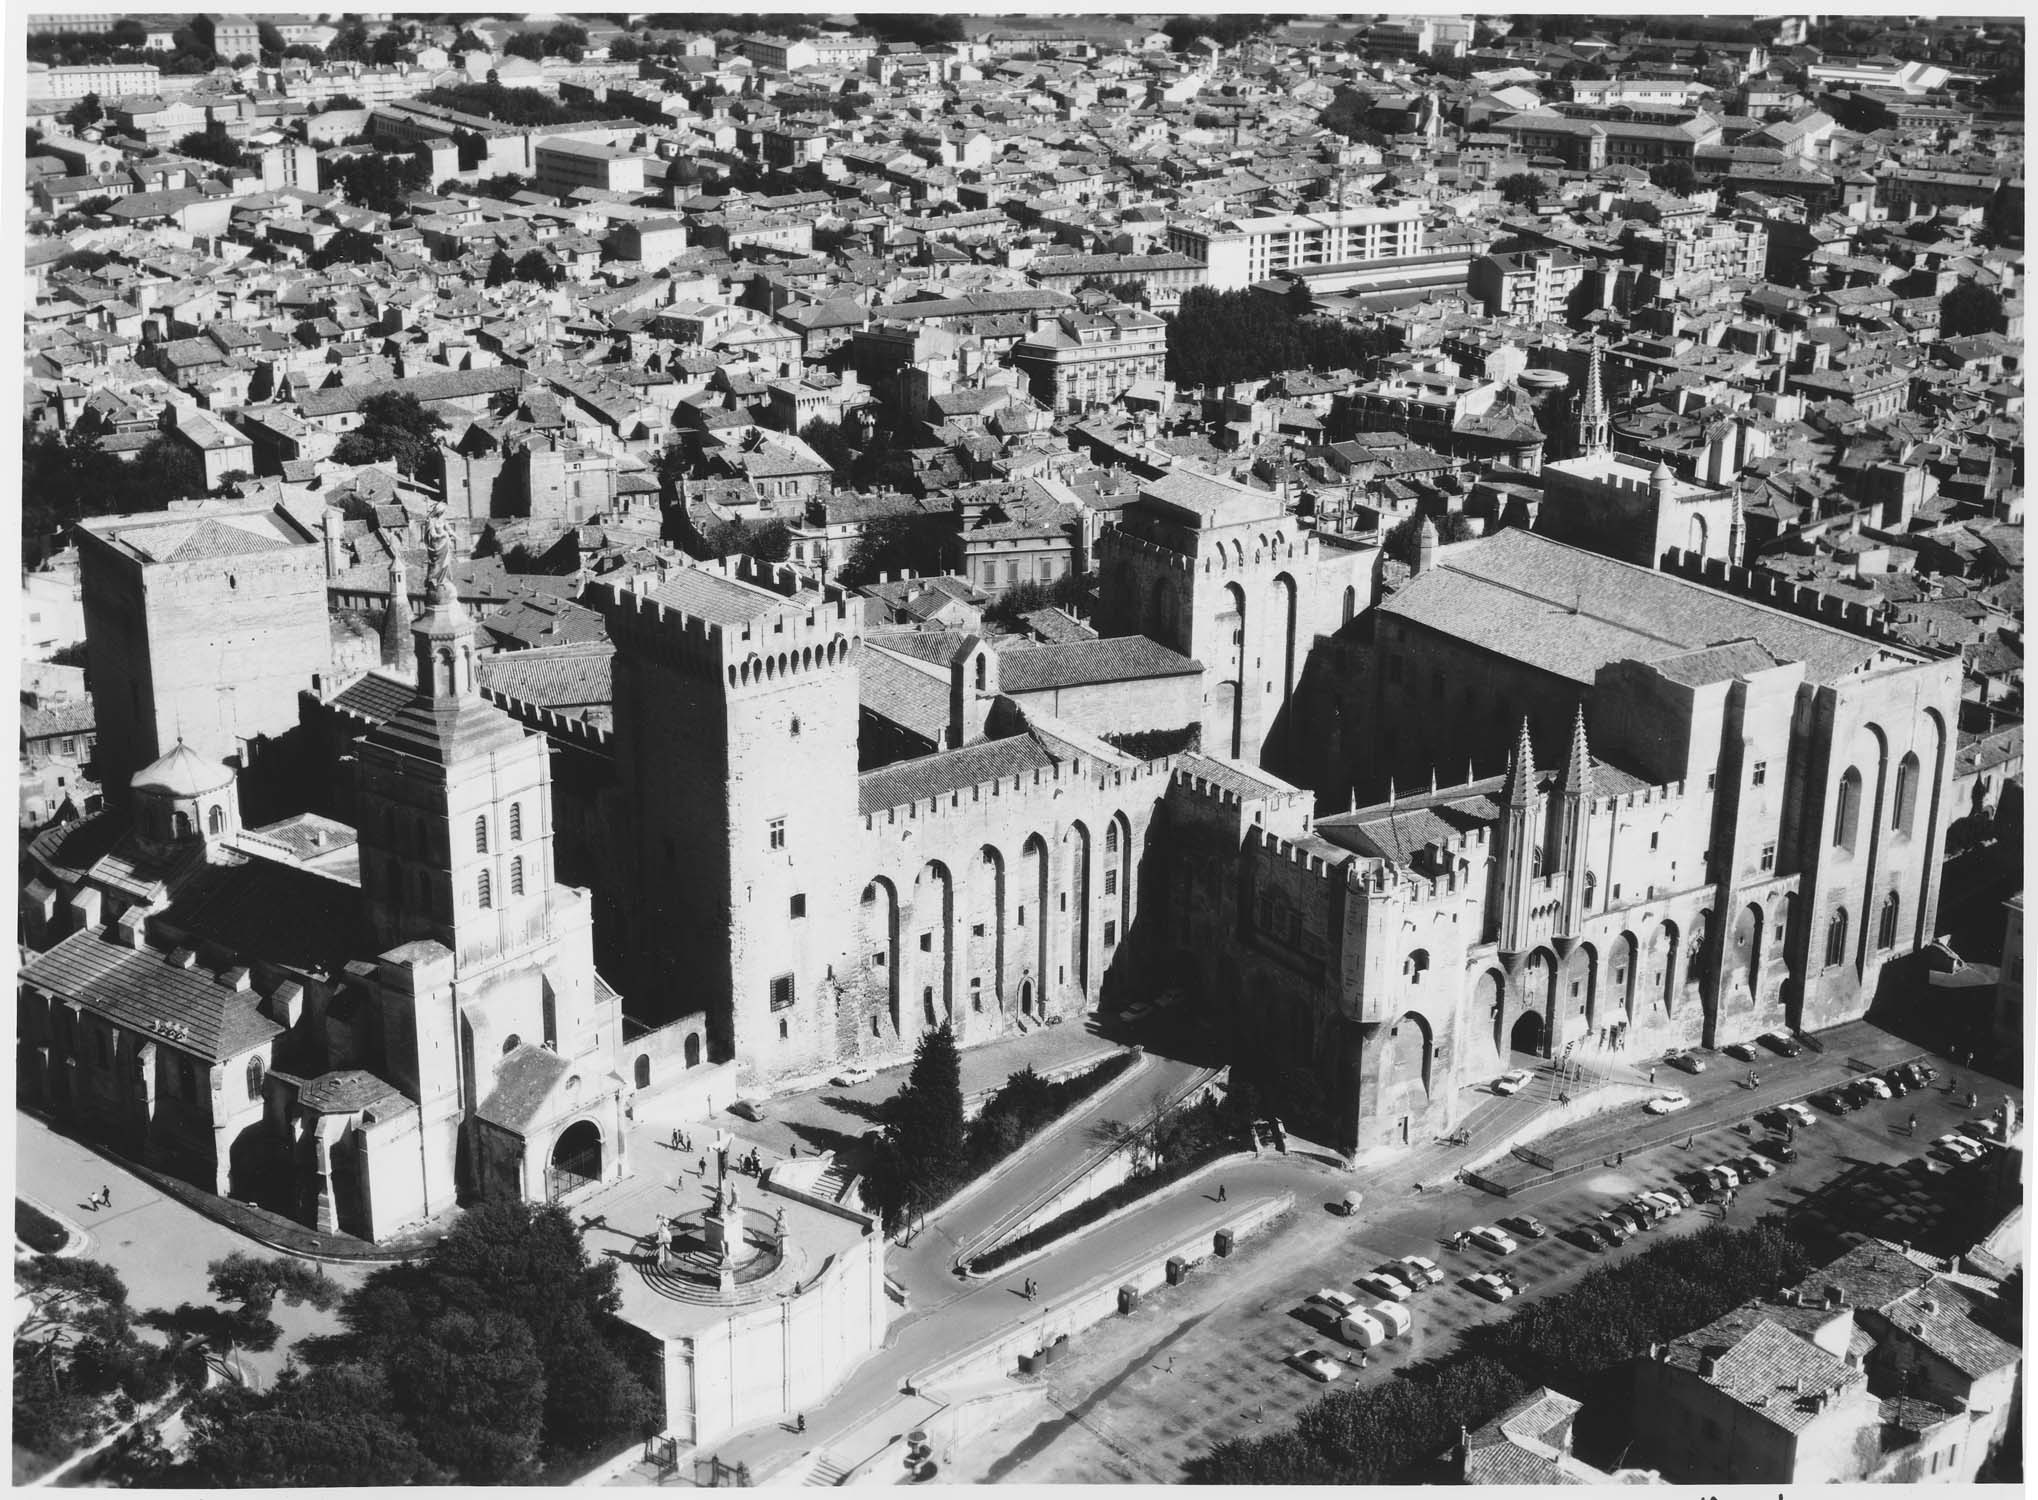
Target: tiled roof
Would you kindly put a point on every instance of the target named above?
(907, 696)
(1568, 612)
(375, 696)
(1124, 658)
(1776, 1374)
(140, 990)
(557, 677)
(949, 771)
(295, 918)
(1240, 780)
(1941, 1317)
(349, 1090)
(523, 1081)
(715, 599)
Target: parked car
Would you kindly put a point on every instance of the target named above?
(1740, 1051)
(1705, 1188)
(1619, 1230)
(1778, 1150)
(1489, 1286)
(1486, 1237)
(1362, 1330)
(1723, 1175)
(1316, 1365)
(1876, 1085)
(1668, 1103)
(749, 1109)
(1681, 1194)
(1833, 1102)
(849, 1078)
(1922, 1071)
(1858, 1093)
(1329, 1304)
(1803, 1117)
(1898, 1080)
(1527, 1226)
(1752, 1166)
(1690, 1062)
(1585, 1237)
(1419, 1271)
(1513, 1082)
(1373, 1284)
(1781, 1042)
(1393, 1317)
(1955, 1147)
(1671, 1203)
(1631, 1221)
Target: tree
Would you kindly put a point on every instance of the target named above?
(502, 185)
(898, 545)
(256, 1282)
(1523, 187)
(911, 26)
(500, 269)
(270, 38)
(1970, 308)
(85, 113)
(1678, 177)
(771, 542)
(393, 427)
(827, 439)
(926, 1137)
(537, 267)
(339, 101)
(78, 1362)
(213, 144)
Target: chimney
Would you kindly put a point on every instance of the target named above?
(1708, 1362)
(1835, 1297)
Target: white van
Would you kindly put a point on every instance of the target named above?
(1362, 1330)
(1394, 1317)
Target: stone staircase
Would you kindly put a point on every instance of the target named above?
(825, 1471)
(834, 1182)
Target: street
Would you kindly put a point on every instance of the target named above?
(1204, 1362)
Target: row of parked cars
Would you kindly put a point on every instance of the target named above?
(1364, 1325)
(1891, 1083)
(1782, 1043)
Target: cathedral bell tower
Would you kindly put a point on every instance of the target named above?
(1520, 825)
(455, 802)
(1594, 434)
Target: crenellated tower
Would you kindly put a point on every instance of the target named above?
(737, 708)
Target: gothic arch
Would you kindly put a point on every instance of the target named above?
(1489, 1008)
(1233, 653)
(1034, 881)
(1921, 908)
(989, 950)
(934, 919)
(1405, 1057)
(1289, 602)
(878, 927)
(1539, 994)
(1624, 970)
(1077, 886)
(1120, 868)
(1668, 973)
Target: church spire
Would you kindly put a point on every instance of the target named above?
(398, 650)
(1579, 766)
(1521, 772)
(1595, 427)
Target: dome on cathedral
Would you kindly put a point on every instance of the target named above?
(183, 773)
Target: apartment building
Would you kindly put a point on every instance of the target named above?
(1240, 252)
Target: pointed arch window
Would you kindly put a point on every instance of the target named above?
(483, 891)
(1847, 811)
(1906, 799)
(517, 876)
(481, 835)
(1885, 927)
(1836, 939)
(255, 1071)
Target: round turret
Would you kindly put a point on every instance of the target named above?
(183, 795)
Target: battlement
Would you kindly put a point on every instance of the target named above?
(776, 641)
(1303, 859)
(555, 726)
(1063, 775)
(1121, 540)
(1774, 589)
(1648, 796)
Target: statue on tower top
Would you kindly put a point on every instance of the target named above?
(438, 556)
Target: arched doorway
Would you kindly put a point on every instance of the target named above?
(1025, 997)
(576, 1159)
(1527, 1035)
(1486, 1003)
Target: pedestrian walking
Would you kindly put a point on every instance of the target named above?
(1619, 1157)
(794, 1152)
(1914, 1123)
(1652, 1075)
(675, 1139)
(1220, 1192)
(1689, 1139)
(106, 1197)
(800, 1422)
(1365, 1360)
(704, 1166)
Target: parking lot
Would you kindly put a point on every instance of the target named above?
(1192, 1366)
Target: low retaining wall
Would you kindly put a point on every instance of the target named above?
(1096, 1299)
